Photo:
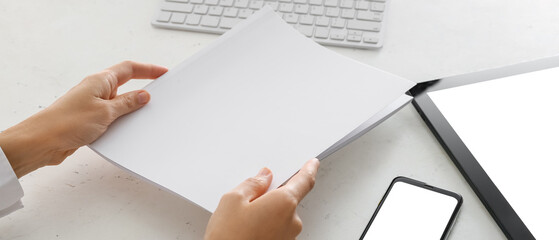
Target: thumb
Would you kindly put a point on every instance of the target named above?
(254, 187)
(130, 101)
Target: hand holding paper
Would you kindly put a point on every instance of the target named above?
(248, 212)
(75, 119)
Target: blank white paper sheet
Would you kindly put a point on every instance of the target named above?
(261, 95)
(511, 126)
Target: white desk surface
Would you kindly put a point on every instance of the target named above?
(46, 47)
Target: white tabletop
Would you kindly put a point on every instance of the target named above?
(46, 47)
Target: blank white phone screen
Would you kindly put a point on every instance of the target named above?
(411, 212)
(511, 126)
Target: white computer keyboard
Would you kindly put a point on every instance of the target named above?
(346, 23)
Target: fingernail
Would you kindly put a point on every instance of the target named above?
(143, 97)
(316, 161)
(264, 172)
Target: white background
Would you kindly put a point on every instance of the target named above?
(46, 47)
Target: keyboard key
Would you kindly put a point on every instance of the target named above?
(209, 21)
(244, 13)
(317, 10)
(377, 16)
(347, 4)
(348, 13)
(370, 38)
(286, 7)
(164, 16)
(241, 3)
(201, 9)
(354, 32)
(212, 2)
(365, 15)
(193, 19)
(189, 8)
(197, 1)
(215, 11)
(379, 7)
(226, 3)
(363, 25)
(354, 38)
(337, 34)
(273, 5)
(178, 18)
(332, 12)
(177, 7)
(228, 23)
(230, 12)
(290, 17)
(300, 1)
(306, 19)
(331, 3)
(338, 23)
(321, 32)
(323, 21)
(362, 5)
(301, 9)
(306, 30)
(256, 4)
(315, 2)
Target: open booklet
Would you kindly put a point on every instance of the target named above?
(261, 95)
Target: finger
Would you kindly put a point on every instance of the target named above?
(302, 182)
(127, 70)
(254, 187)
(129, 102)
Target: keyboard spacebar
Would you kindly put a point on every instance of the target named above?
(363, 25)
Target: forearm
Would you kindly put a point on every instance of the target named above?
(25, 147)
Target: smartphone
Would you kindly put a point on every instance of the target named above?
(411, 209)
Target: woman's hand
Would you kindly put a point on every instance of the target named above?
(75, 119)
(248, 212)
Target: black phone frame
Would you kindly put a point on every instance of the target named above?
(425, 186)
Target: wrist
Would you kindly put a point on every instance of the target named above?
(25, 150)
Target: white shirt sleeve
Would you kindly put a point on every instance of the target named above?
(10, 189)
